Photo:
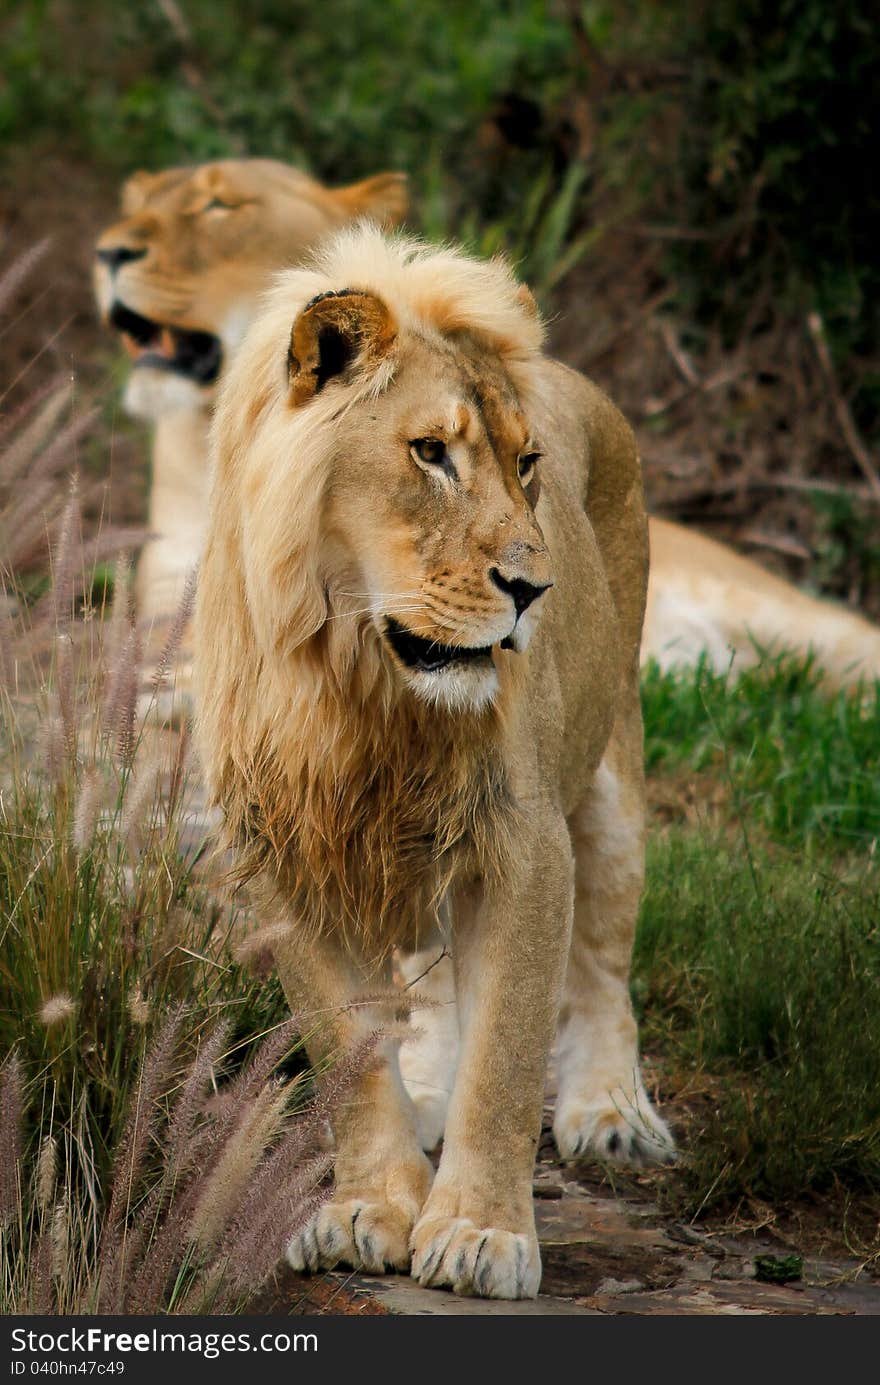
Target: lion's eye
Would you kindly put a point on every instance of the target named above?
(430, 450)
(216, 205)
(526, 466)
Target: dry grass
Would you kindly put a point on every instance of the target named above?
(159, 1134)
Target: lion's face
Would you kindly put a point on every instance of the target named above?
(432, 501)
(425, 499)
(180, 276)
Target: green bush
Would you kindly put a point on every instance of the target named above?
(780, 108)
(764, 972)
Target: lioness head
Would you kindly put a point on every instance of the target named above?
(181, 274)
(377, 464)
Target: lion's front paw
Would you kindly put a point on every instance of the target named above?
(455, 1252)
(622, 1130)
(371, 1236)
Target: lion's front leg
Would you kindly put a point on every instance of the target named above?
(476, 1233)
(382, 1178)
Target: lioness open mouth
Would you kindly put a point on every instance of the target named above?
(197, 355)
(428, 656)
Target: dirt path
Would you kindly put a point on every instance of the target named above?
(604, 1254)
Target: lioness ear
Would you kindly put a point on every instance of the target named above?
(332, 333)
(384, 197)
(134, 191)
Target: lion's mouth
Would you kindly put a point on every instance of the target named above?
(197, 355)
(429, 656)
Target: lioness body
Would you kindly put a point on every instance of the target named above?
(419, 711)
(707, 601)
(212, 238)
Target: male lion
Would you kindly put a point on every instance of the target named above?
(180, 277)
(417, 652)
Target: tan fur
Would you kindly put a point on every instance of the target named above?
(705, 600)
(378, 801)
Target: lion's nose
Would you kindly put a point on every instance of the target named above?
(522, 592)
(116, 255)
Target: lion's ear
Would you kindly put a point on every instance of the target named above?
(141, 186)
(335, 332)
(135, 190)
(384, 197)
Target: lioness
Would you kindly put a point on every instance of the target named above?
(417, 655)
(180, 277)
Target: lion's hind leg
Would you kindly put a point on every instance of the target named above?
(429, 1059)
(602, 1108)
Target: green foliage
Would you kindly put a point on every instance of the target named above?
(757, 959)
(541, 235)
(800, 765)
(780, 112)
(765, 972)
(344, 90)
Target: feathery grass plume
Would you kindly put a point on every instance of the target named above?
(139, 802)
(120, 667)
(187, 1107)
(116, 628)
(65, 692)
(142, 1120)
(204, 1166)
(54, 748)
(64, 558)
(212, 1227)
(139, 1010)
(13, 278)
(145, 1284)
(42, 1292)
(47, 1174)
(338, 1080)
(11, 1114)
(60, 1239)
(29, 425)
(30, 501)
(178, 775)
(121, 1245)
(176, 633)
(123, 709)
(286, 1191)
(242, 1091)
(182, 1143)
(257, 1125)
(283, 1203)
(89, 801)
(57, 1010)
(274, 1048)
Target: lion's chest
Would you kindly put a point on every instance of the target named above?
(373, 850)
